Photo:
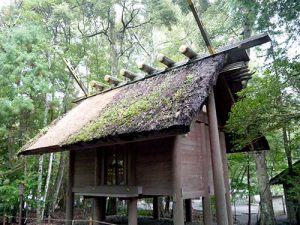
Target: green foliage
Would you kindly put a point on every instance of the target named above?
(105, 36)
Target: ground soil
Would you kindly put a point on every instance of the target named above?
(81, 217)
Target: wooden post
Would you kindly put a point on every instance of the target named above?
(188, 210)
(156, 211)
(132, 211)
(99, 202)
(178, 209)
(226, 178)
(70, 194)
(217, 163)
(207, 216)
(132, 203)
(99, 209)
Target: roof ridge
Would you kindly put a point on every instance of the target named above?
(238, 46)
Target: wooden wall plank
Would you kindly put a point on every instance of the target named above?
(153, 165)
(193, 160)
(84, 168)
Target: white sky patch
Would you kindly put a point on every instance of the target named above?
(5, 2)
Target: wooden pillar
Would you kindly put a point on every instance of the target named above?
(99, 209)
(132, 211)
(70, 194)
(217, 163)
(188, 210)
(132, 202)
(207, 216)
(156, 212)
(178, 209)
(99, 202)
(226, 178)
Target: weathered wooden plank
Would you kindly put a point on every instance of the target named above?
(109, 191)
(154, 191)
(153, 165)
(192, 194)
(234, 66)
(84, 168)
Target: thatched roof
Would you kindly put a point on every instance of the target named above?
(161, 103)
(287, 176)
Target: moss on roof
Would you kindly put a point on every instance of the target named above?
(157, 103)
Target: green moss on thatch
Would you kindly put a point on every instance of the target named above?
(170, 99)
(120, 114)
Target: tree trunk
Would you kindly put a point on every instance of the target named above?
(39, 189)
(266, 208)
(249, 192)
(112, 202)
(39, 210)
(47, 184)
(287, 148)
(114, 61)
(58, 182)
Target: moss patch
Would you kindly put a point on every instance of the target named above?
(159, 102)
(120, 114)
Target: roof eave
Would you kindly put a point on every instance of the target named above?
(111, 140)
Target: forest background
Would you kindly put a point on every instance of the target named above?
(101, 37)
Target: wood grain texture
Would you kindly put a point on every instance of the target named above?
(193, 161)
(153, 166)
(84, 168)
